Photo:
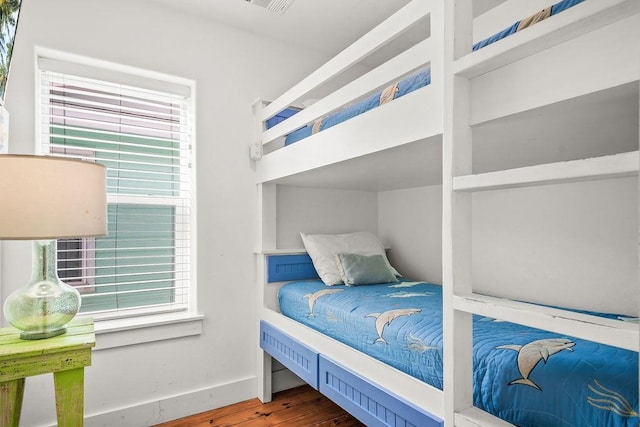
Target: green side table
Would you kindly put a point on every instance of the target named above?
(65, 356)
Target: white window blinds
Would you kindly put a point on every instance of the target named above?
(143, 137)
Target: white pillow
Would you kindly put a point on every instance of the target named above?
(323, 248)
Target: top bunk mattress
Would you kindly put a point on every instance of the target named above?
(415, 81)
(525, 376)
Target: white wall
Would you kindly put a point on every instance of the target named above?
(316, 210)
(572, 245)
(403, 216)
(148, 383)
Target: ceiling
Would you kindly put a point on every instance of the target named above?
(327, 26)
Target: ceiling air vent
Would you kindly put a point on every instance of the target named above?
(276, 6)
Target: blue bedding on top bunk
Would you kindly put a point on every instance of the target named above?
(526, 376)
(555, 9)
(406, 85)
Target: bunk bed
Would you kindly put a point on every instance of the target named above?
(425, 137)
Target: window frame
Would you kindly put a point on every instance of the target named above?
(97, 69)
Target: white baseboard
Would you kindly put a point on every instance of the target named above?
(149, 413)
(170, 408)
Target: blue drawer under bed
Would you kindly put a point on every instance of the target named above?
(366, 401)
(297, 357)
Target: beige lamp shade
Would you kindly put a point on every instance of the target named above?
(51, 198)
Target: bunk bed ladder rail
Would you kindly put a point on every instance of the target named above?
(459, 300)
(456, 218)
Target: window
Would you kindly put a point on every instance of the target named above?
(142, 134)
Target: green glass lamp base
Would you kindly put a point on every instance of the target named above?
(42, 335)
(43, 307)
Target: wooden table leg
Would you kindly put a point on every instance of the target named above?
(69, 387)
(11, 393)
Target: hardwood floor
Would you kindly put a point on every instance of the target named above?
(298, 407)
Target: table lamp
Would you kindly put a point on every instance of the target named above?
(42, 199)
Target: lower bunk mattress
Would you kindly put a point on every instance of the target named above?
(525, 376)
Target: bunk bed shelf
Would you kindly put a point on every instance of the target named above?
(576, 21)
(603, 167)
(269, 252)
(608, 331)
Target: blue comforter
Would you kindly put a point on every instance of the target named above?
(526, 376)
(407, 85)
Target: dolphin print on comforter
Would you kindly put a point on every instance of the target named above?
(526, 376)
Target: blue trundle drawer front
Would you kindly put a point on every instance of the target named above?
(367, 402)
(301, 360)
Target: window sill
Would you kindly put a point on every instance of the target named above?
(144, 329)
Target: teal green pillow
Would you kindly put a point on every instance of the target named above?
(364, 269)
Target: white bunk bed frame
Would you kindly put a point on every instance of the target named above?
(457, 99)
(304, 155)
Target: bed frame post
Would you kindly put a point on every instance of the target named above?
(266, 240)
(456, 216)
